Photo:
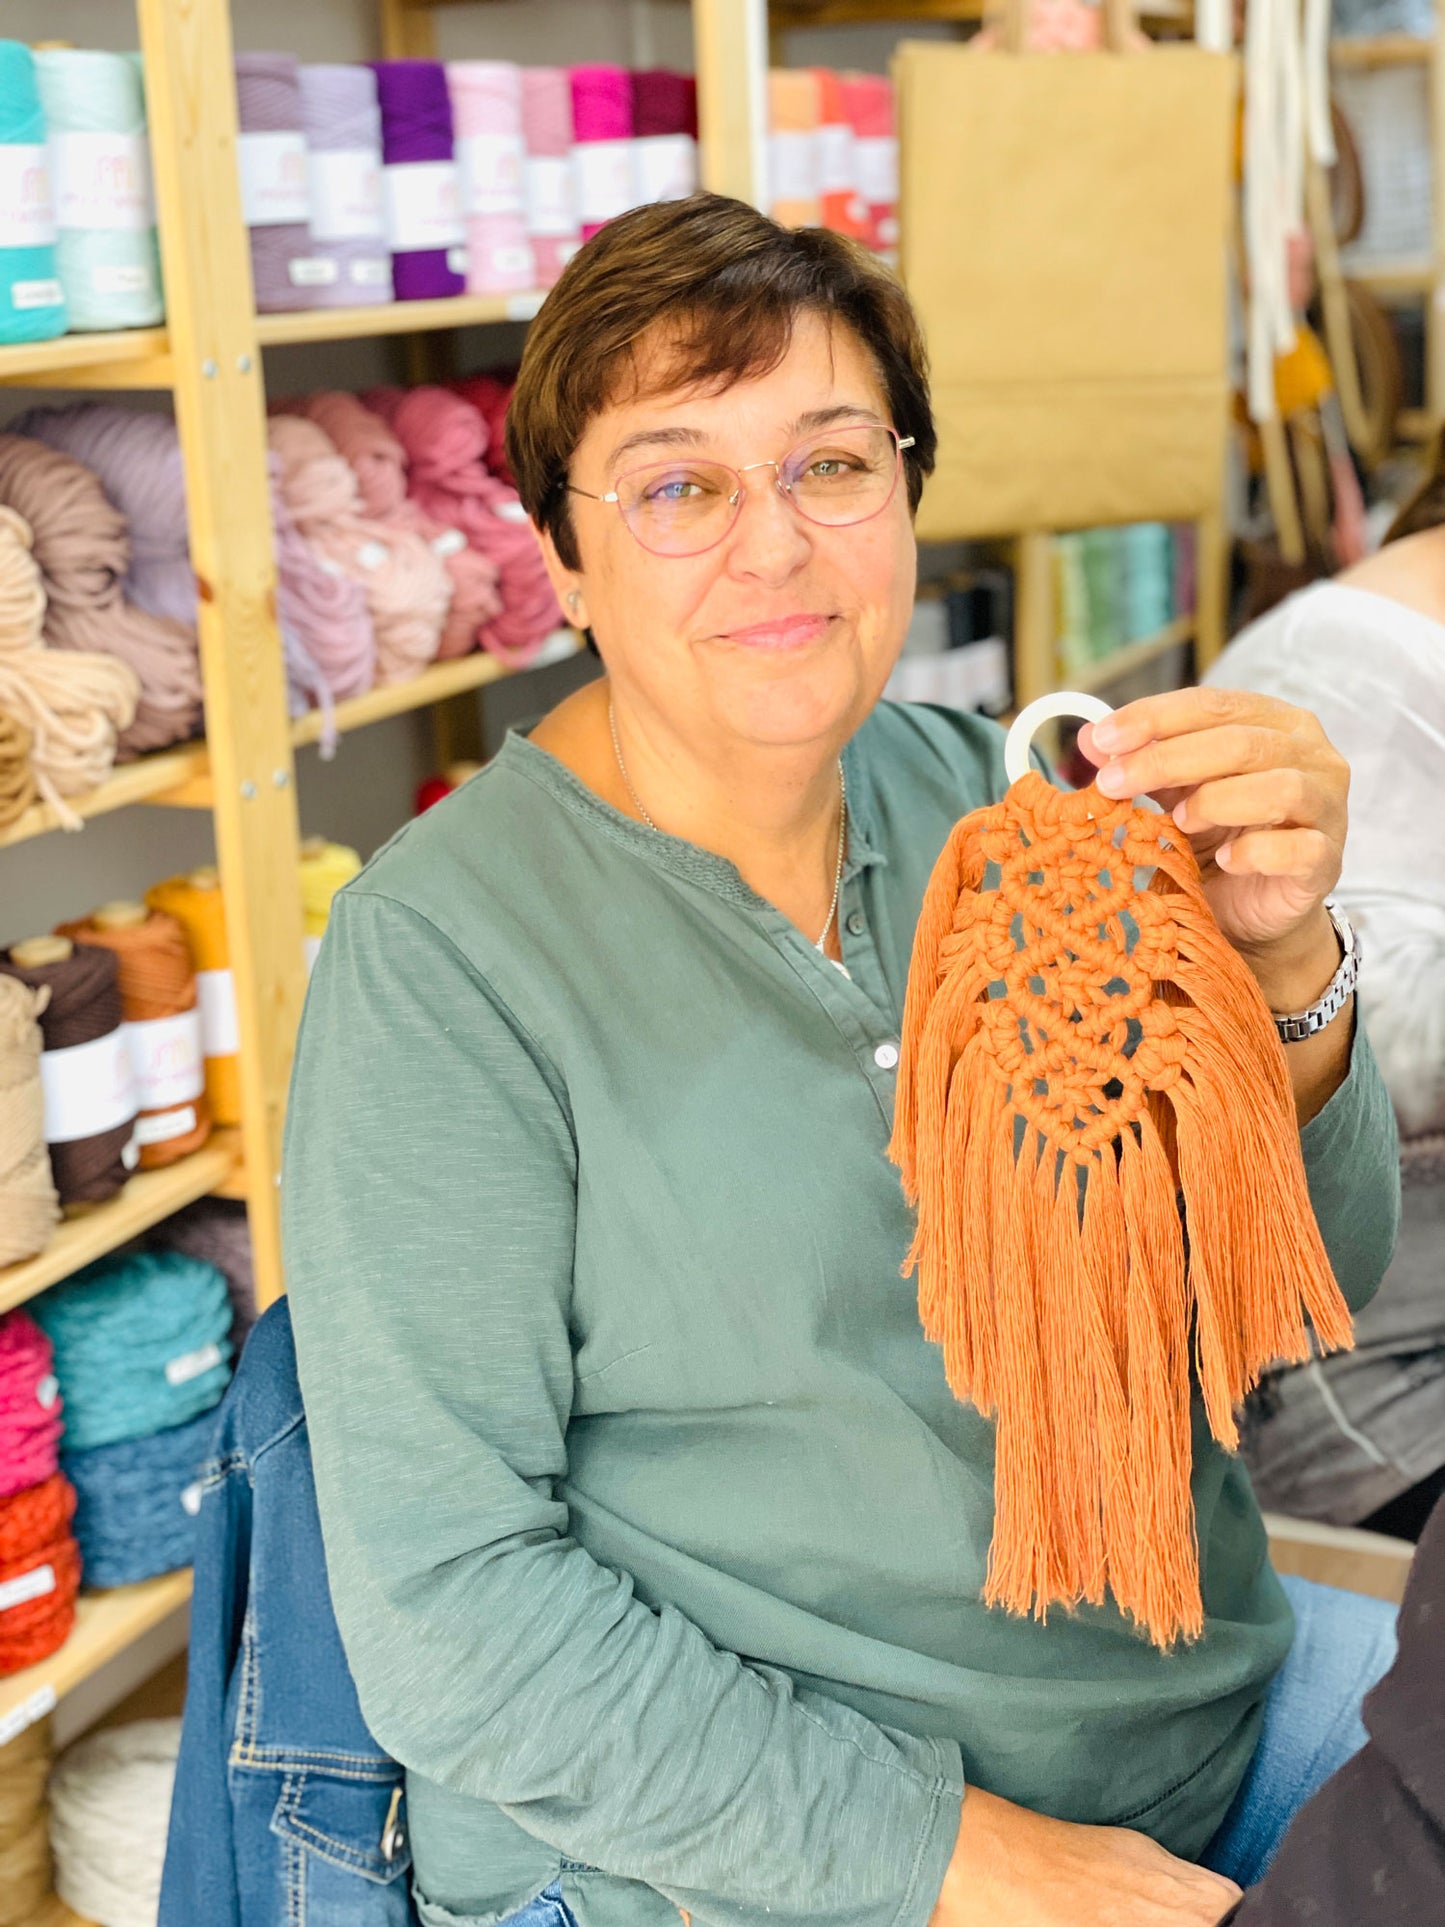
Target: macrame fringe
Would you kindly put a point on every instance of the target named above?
(1081, 1058)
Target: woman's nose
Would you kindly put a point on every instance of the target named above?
(770, 540)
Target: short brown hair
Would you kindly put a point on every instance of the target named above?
(729, 283)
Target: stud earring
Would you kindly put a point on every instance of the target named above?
(573, 599)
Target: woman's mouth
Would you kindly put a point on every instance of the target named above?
(787, 632)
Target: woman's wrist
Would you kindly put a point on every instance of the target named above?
(1296, 969)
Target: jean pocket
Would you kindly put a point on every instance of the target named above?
(346, 1848)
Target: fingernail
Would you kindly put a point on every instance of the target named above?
(1111, 779)
(1107, 735)
(1181, 810)
(1224, 855)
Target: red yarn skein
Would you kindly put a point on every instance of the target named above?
(35, 1532)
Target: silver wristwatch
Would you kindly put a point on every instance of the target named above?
(1338, 992)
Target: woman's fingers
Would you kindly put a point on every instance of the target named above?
(1266, 800)
(1308, 856)
(1182, 712)
(1204, 755)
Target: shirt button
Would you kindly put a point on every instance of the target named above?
(857, 923)
(886, 1057)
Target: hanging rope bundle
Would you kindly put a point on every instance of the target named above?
(110, 1808)
(24, 1832)
(136, 1502)
(29, 1209)
(31, 1408)
(1080, 1052)
(39, 1573)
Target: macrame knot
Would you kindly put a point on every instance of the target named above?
(1096, 1124)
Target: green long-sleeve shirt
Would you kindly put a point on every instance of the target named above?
(655, 1536)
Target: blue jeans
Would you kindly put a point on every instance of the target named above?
(1343, 1644)
(549, 1909)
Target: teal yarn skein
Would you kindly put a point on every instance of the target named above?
(32, 303)
(106, 250)
(141, 1344)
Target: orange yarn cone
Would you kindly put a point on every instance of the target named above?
(1096, 1124)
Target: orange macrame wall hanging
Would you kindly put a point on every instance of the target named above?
(1096, 1125)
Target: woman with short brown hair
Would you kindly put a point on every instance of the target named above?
(655, 1536)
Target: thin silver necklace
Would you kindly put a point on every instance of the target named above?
(820, 945)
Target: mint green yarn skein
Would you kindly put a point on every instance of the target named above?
(106, 248)
(32, 304)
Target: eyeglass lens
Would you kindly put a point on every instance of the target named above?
(683, 507)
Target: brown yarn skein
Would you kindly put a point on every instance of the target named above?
(157, 980)
(82, 545)
(84, 1004)
(24, 1833)
(17, 778)
(29, 1208)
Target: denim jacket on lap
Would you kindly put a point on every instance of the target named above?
(286, 1811)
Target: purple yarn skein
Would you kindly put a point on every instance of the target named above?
(416, 134)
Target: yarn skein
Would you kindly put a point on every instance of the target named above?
(196, 902)
(275, 187)
(407, 586)
(325, 869)
(664, 145)
(85, 1070)
(795, 113)
(163, 1027)
(424, 222)
(445, 439)
(24, 1828)
(217, 1231)
(32, 302)
(868, 103)
(140, 1344)
(136, 1502)
(39, 1573)
(486, 97)
(549, 180)
(110, 1809)
(491, 396)
(72, 706)
(29, 1208)
(378, 461)
(106, 250)
(17, 776)
(602, 150)
(136, 458)
(31, 1407)
(342, 123)
(82, 547)
(324, 619)
(840, 200)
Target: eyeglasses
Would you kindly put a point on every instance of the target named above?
(687, 507)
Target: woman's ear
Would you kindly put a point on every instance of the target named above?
(566, 583)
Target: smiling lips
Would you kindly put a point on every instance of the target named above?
(789, 632)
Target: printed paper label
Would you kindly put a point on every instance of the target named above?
(166, 1125)
(551, 195)
(27, 197)
(371, 271)
(346, 196)
(792, 167)
(36, 294)
(604, 179)
(491, 171)
(665, 167)
(180, 1371)
(191, 1499)
(877, 168)
(30, 1585)
(449, 542)
(216, 994)
(47, 1391)
(371, 555)
(512, 258)
(423, 206)
(166, 1053)
(509, 511)
(458, 260)
(130, 1153)
(274, 183)
(102, 181)
(89, 1088)
(837, 169)
(122, 277)
(311, 271)
(14, 1723)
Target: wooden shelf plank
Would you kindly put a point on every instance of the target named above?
(1392, 277)
(144, 1201)
(395, 318)
(433, 685)
(1134, 655)
(1382, 50)
(129, 357)
(147, 780)
(106, 1623)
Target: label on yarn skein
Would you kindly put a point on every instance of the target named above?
(47, 1391)
(165, 1125)
(346, 197)
(423, 206)
(311, 271)
(877, 168)
(102, 181)
(458, 259)
(449, 542)
(30, 1585)
(274, 180)
(792, 167)
(14, 1723)
(551, 195)
(180, 1371)
(122, 277)
(604, 180)
(191, 1499)
(371, 271)
(27, 197)
(837, 166)
(310, 950)
(216, 995)
(491, 171)
(36, 294)
(665, 167)
(166, 1053)
(88, 1088)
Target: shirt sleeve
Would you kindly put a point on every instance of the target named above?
(1352, 1161)
(429, 1213)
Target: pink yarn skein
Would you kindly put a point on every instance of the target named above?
(30, 1406)
(322, 614)
(446, 440)
(379, 464)
(407, 587)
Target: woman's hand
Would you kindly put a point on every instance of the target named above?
(1260, 791)
(1013, 1865)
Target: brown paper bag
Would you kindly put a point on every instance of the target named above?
(1065, 232)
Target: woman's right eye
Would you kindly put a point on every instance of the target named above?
(678, 486)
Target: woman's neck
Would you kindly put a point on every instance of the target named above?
(1410, 571)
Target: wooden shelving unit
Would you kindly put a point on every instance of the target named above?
(105, 1624)
(1099, 676)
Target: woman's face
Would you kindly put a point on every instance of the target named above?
(785, 633)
